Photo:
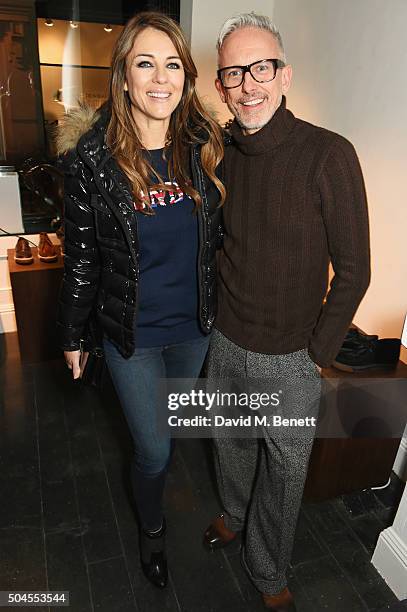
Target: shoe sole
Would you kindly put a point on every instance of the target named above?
(48, 259)
(219, 546)
(348, 368)
(23, 261)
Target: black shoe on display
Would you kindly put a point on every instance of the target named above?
(153, 556)
(356, 337)
(368, 354)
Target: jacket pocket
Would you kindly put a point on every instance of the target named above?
(107, 227)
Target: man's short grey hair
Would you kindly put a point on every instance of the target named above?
(250, 20)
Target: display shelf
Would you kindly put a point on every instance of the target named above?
(35, 289)
(344, 465)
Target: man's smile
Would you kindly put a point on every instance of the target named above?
(254, 102)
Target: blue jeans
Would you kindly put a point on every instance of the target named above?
(136, 382)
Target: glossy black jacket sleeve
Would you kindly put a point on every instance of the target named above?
(81, 263)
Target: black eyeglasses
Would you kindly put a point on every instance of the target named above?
(262, 71)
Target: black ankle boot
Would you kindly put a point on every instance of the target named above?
(153, 557)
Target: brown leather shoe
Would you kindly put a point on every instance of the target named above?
(23, 254)
(282, 602)
(46, 250)
(218, 535)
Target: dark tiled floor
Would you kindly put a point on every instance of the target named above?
(66, 522)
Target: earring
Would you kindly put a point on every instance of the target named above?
(125, 87)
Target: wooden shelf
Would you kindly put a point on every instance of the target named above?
(36, 266)
(344, 465)
(35, 290)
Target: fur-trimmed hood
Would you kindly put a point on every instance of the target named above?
(73, 125)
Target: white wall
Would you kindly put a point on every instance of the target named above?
(7, 318)
(390, 555)
(350, 66)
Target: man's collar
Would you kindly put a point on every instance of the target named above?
(269, 136)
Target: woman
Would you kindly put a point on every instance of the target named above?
(142, 222)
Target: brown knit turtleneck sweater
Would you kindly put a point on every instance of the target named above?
(295, 201)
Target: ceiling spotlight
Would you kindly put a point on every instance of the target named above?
(49, 23)
(73, 24)
(108, 28)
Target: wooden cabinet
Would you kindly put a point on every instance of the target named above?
(342, 465)
(35, 290)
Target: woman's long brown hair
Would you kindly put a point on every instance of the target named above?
(189, 124)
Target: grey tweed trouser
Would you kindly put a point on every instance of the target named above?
(261, 480)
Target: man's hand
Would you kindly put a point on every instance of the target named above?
(315, 364)
(73, 361)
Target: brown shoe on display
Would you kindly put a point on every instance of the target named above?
(282, 602)
(218, 535)
(23, 254)
(46, 250)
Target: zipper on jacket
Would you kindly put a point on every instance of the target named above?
(202, 225)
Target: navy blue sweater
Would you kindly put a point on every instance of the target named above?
(168, 286)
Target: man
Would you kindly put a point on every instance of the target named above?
(295, 201)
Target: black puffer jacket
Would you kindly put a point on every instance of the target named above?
(101, 242)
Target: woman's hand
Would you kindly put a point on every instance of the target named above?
(73, 361)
